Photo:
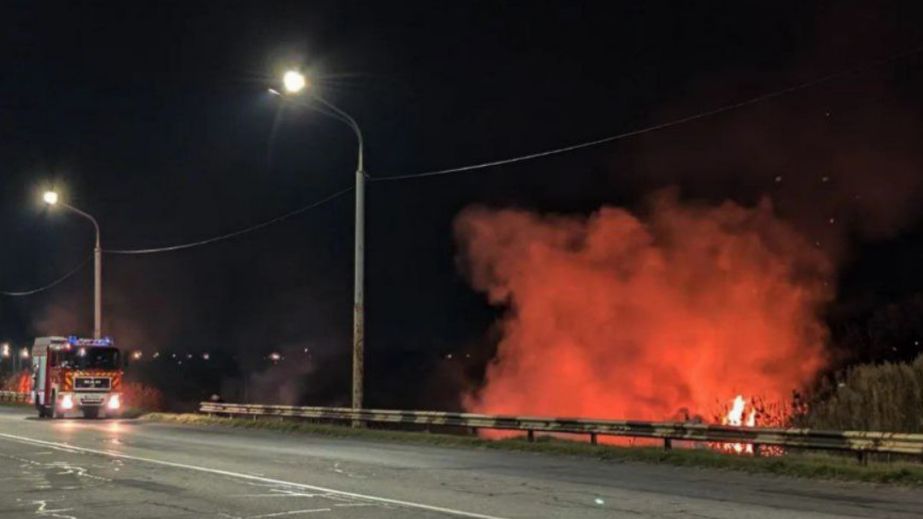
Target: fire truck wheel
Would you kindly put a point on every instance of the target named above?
(91, 412)
(38, 407)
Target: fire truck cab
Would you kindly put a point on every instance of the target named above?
(71, 374)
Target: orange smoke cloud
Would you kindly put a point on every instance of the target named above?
(621, 316)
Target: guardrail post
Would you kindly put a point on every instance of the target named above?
(862, 458)
(756, 450)
(593, 440)
(531, 435)
(667, 444)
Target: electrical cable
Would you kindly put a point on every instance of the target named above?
(49, 286)
(234, 234)
(656, 127)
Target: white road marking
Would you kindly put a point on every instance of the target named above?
(408, 504)
(293, 494)
(45, 512)
(293, 512)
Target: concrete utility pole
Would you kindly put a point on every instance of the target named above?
(294, 83)
(51, 198)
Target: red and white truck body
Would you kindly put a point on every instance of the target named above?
(71, 375)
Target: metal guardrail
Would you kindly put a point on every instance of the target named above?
(13, 396)
(859, 442)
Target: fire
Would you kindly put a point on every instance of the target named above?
(657, 316)
(24, 382)
(735, 417)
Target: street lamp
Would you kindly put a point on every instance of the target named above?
(294, 83)
(51, 198)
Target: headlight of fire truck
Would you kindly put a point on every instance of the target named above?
(114, 402)
(67, 402)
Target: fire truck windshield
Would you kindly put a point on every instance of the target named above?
(93, 357)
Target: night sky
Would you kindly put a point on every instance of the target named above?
(155, 118)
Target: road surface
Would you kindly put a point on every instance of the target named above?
(131, 469)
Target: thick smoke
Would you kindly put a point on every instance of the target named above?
(645, 317)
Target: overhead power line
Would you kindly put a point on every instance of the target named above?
(485, 165)
(656, 127)
(51, 285)
(227, 236)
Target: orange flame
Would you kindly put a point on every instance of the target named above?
(649, 317)
(734, 417)
(23, 382)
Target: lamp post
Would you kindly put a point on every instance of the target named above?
(294, 83)
(51, 198)
(5, 356)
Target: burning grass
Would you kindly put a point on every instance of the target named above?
(668, 312)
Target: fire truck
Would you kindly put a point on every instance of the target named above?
(71, 374)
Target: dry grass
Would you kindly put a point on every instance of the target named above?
(870, 397)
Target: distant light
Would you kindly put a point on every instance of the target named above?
(67, 402)
(206, 356)
(275, 356)
(24, 353)
(114, 402)
(274, 92)
(50, 197)
(599, 501)
(6, 350)
(156, 354)
(294, 81)
(82, 352)
(136, 355)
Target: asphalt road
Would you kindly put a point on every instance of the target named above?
(128, 469)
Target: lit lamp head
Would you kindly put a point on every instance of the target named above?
(294, 82)
(50, 197)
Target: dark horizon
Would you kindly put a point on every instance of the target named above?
(155, 119)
